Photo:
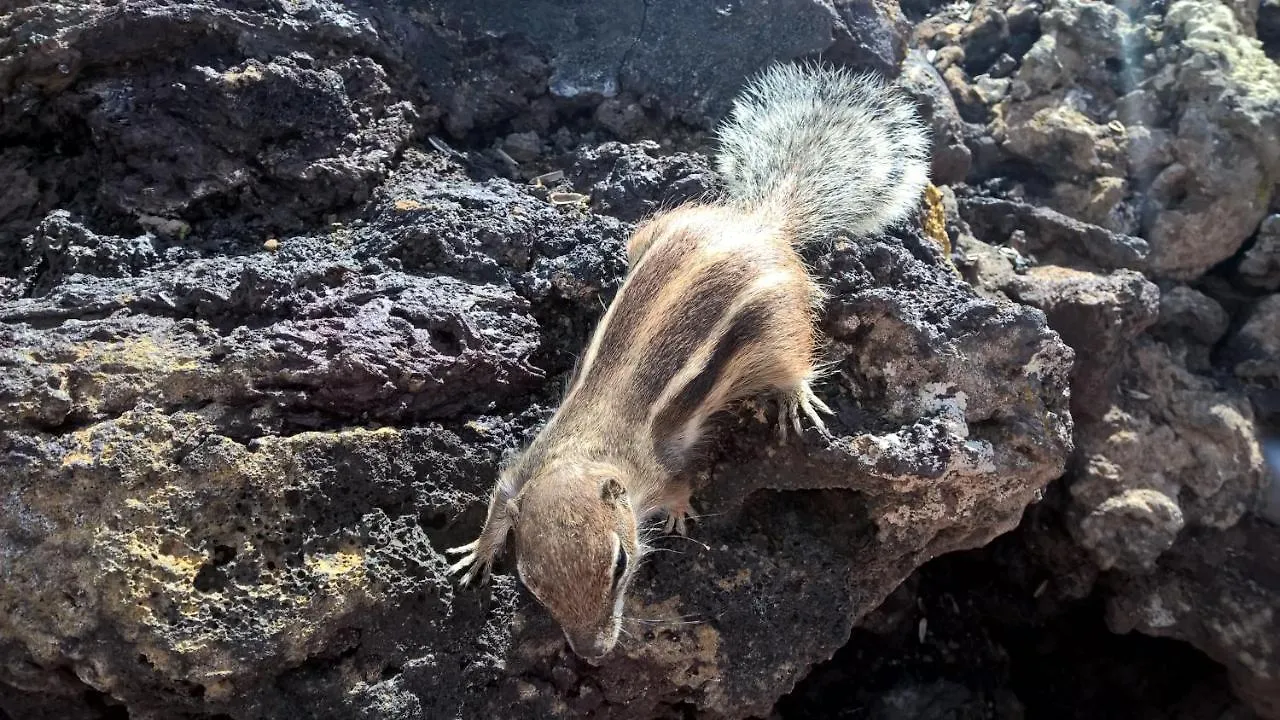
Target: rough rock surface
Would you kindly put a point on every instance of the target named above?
(1260, 267)
(1168, 445)
(275, 301)
(1131, 503)
(1255, 349)
(171, 114)
(951, 158)
(1048, 236)
(1185, 599)
(277, 444)
(1253, 355)
(987, 634)
(263, 363)
(1160, 122)
(1077, 303)
(1138, 137)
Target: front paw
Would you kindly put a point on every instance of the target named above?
(798, 402)
(676, 517)
(470, 562)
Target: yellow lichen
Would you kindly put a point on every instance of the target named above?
(141, 353)
(82, 451)
(146, 549)
(935, 223)
(150, 566)
(242, 77)
(335, 565)
(76, 457)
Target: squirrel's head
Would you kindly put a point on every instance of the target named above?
(577, 548)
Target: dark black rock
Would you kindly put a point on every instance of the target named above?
(1053, 238)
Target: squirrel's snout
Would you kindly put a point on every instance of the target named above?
(591, 646)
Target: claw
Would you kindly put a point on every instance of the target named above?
(474, 568)
(462, 564)
(675, 522)
(677, 517)
(802, 401)
(470, 562)
(471, 575)
(468, 548)
(784, 410)
(811, 405)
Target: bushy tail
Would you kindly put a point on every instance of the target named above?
(832, 151)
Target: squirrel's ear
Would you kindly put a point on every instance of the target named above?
(612, 491)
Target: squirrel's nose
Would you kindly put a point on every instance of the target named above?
(590, 646)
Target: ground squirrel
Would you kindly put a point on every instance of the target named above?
(716, 307)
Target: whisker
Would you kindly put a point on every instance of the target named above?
(662, 549)
(699, 543)
(681, 620)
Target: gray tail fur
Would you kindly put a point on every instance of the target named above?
(830, 150)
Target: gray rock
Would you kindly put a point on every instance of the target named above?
(1190, 313)
(631, 182)
(1104, 201)
(1230, 144)
(1052, 237)
(985, 37)
(1201, 110)
(1078, 304)
(1003, 67)
(60, 246)
(523, 146)
(970, 101)
(249, 118)
(991, 90)
(623, 118)
(1149, 149)
(1216, 590)
(950, 157)
(1080, 42)
(1054, 133)
(255, 460)
(1175, 452)
(1254, 351)
(1192, 324)
(691, 56)
(1260, 267)
(259, 114)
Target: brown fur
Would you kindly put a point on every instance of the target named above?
(716, 307)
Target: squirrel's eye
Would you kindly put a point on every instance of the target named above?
(619, 567)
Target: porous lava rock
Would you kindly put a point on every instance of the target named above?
(229, 478)
(271, 322)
